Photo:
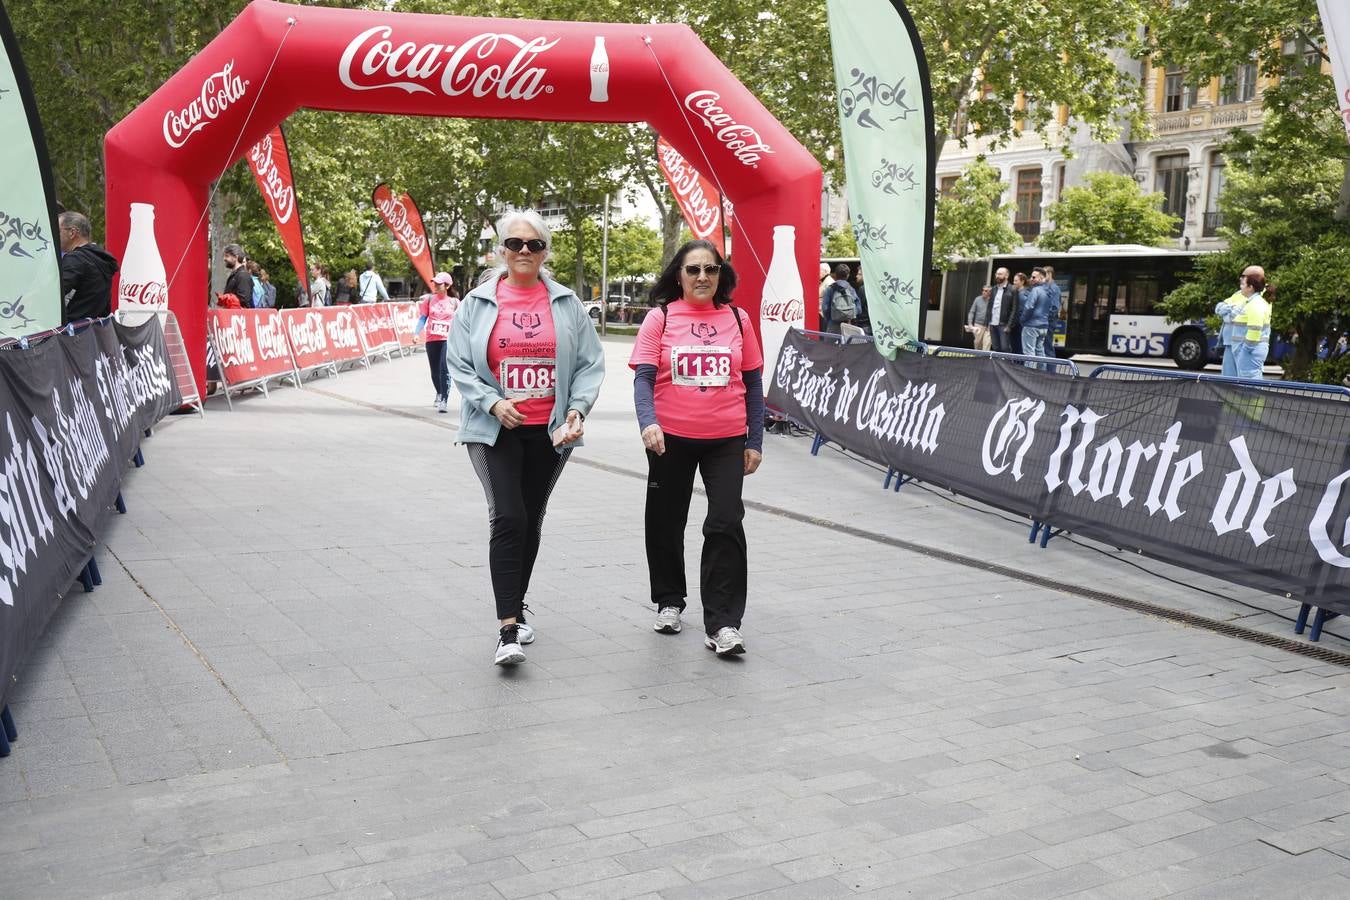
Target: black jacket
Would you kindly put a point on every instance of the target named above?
(86, 283)
(1009, 310)
(240, 283)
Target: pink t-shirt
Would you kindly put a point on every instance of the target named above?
(440, 312)
(523, 350)
(699, 354)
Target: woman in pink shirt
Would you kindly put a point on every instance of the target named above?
(437, 311)
(699, 395)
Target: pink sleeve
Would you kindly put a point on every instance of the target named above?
(423, 306)
(647, 347)
(751, 356)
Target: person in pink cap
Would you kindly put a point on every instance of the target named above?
(437, 311)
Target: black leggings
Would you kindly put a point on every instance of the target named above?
(518, 474)
(440, 377)
(670, 484)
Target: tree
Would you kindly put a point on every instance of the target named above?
(970, 220)
(1108, 209)
(841, 241)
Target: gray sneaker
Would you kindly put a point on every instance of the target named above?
(668, 620)
(525, 633)
(726, 642)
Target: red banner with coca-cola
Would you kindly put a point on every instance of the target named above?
(376, 322)
(405, 323)
(322, 337)
(405, 221)
(251, 344)
(271, 166)
(700, 200)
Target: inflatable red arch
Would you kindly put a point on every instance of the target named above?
(276, 57)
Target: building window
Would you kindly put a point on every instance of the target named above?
(1239, 87)
(947, 184)
(1214, 187)
(1176, 95)
(1170, 179)
(1027, 221)
(1310, 57)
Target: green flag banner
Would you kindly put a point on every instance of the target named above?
(886, 116)
(30, 274)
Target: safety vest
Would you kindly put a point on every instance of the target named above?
(1255, 317)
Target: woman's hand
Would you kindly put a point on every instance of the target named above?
(505, 411)
(575, 427)
(654, 439)
(752, 460)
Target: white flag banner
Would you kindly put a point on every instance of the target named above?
(1336, 24)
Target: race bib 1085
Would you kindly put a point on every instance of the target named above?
(700, 366)
(525, 378)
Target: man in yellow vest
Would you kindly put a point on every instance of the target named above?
(1253, 325)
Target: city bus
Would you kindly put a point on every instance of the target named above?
(1109, 294)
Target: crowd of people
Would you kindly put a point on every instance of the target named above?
(1017, 316)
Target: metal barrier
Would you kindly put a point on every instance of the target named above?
(1301, 388)
(1049, 363)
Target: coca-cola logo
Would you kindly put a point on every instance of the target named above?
(790, 311)
(153, 294)
(280, 195)
(219, 91)
(234, 344)
(307, 333)
(271, 337)
(743, 141)
(685, 181)
(342, 331)
(408, 234)
(373, 61)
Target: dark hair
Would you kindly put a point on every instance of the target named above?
(1049, 272)
(1021, 275)
(840, 270)
(1256, 282)
(233, 250)
(1270, 293)
(77, 222)
(1035, 269)
(667, 287)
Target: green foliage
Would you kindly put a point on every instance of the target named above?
(1330, 371)
(634, 251)
(1108, 209)
(840, 242)
(970, 222)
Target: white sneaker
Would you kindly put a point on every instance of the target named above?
(726, 642)
(508, 647)
(667, 620)
(443, 405)
(525, 633)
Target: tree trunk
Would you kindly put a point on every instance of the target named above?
(671, 222)
(1305, 351)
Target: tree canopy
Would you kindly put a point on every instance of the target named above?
(1108, 209)
(969, 220)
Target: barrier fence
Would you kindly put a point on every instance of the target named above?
(1248, 483)
(76, 404)
(253, 347)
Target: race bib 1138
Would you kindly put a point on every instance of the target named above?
(700, 366)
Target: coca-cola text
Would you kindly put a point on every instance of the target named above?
(219, 91)
(743, 141)
(396, 214)
(700, 210)
(373, 61)
(791, 311)
(280, 195)
(152, 294)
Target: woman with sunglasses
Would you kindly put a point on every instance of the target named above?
(528, 365)
(699, 395)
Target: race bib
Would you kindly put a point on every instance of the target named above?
(441, 329)
(527, 378)
(700, 366)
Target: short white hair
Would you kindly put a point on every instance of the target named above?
(529, 217)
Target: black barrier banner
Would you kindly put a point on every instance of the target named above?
(72, 412)
(1246, 485)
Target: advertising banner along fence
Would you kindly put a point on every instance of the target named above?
(271, 167)
(73, 409)
(376, 322)
(251, 344)
(1245, 485)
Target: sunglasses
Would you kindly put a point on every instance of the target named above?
(693, 271)
(515, 245)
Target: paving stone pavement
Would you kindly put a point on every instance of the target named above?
(283, 689)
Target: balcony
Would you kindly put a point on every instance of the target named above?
(1206, 118)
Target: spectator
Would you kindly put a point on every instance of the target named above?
(1053, 317)
(86, 271)
(977, 318)
(1035, 314)
(862, 318)
(238, 282)
(839, 303)
(372, 286)
(269, 290)
(346, 291)
(319, 295)
(255, 280)
(1003, 310)
(1021, 286)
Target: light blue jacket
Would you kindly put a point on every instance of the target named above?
(1229, 310)
(580, 361)
(1036, 307)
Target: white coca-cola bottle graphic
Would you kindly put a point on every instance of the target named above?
(781, 308)
(142, 284)
(599, 72)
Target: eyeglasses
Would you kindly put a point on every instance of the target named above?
(515, 244)
(693, 271)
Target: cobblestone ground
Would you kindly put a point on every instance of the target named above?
(284, 689)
